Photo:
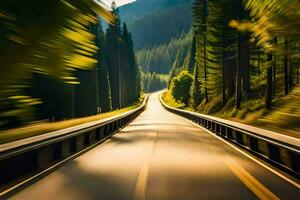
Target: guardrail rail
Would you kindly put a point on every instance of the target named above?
(278, 149)
(32, 155)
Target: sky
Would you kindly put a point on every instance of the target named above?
(119, 2)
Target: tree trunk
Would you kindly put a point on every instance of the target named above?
(223, 65)
(230, 76)
(246, 64)
(286, 79)
(269, 88)
(274, 71)
(223, 83)
(291, 78)
(297, 75)
(258, 63)
(205, 69)
(238, 72)
(274, 78)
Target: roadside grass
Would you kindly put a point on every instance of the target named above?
(283, 118)
(46, 127)
(169, 100)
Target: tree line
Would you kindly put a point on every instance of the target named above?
(243, 50)
(160, 58)
(157, 62)
(152, 81)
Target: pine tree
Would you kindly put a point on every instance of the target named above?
(113, 47)
(200, 13)
(104, 88)
(195, 89)
(191, 57)
(216, 48)
(130, 70)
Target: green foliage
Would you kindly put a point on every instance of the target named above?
(45, 37)
(222, 54)
(93, 91)
(233, 64)
(61, 62)
(124, 74)
(271, 19)
(180, 87)
(104, 89)
(181, 61)
(195, 89)
(156, 37)
(190, 58)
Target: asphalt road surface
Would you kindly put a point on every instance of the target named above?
(161, 156)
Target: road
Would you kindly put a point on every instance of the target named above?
(161, 156)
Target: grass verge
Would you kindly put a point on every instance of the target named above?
(283, 118)
(46, 127)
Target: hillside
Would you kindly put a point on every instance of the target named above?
(149, 20)
(157, 26)
(159, 59)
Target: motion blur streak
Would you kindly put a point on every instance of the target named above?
(49, 37)
(168, 156)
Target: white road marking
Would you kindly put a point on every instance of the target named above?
(297, 185)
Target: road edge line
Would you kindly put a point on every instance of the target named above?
(297, 185)
(52, 168)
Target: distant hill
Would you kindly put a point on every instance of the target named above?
(155, 22)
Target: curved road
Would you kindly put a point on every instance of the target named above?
(161, 156)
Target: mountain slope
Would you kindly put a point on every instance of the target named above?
(155, 22)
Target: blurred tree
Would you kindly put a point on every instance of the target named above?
(46, 37)
(271, 19)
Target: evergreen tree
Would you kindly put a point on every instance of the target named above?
(132, 71)
(113, 47)
(104, 88)
(200, 13)
(192, 54)
(195, 89)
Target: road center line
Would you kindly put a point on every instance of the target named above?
(253, 184)
(141, 183)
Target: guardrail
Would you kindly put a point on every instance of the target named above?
(280, 150)
(32, 155)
